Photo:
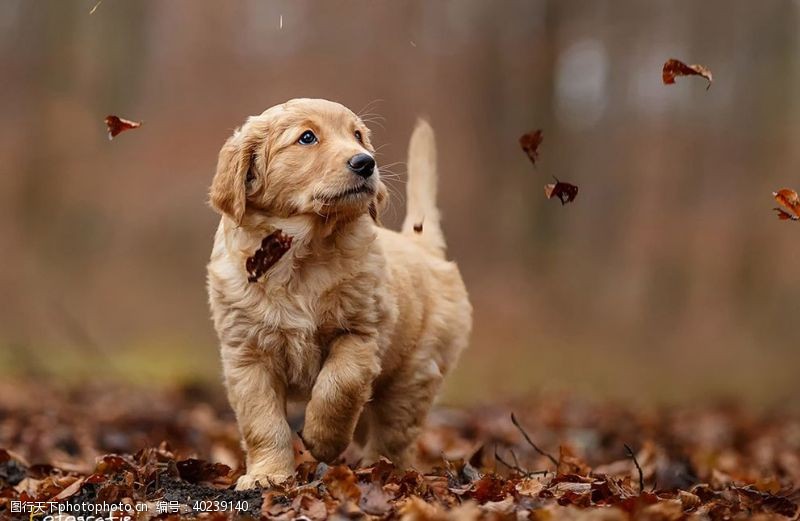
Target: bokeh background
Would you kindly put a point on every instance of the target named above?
(668, 279)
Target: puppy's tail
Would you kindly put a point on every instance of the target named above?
(422, 215)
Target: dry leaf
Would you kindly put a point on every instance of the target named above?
(530, 144)
(272, 249)
(688, 500)
(341, 483)
(529, 487)
(116, 125)
(566, 192)
(673, 68)
(788, 199)
(70, 490)
(571, 463)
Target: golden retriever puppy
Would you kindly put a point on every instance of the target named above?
(314, 301)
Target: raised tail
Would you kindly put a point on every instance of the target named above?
(422, 214)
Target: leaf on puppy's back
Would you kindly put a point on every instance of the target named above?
(272, 249)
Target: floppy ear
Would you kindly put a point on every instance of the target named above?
(379, 203)
(228, 189)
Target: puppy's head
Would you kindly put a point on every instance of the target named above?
(306, 156)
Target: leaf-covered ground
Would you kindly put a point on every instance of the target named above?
(178, 452)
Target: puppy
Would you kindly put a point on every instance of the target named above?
(314, 301)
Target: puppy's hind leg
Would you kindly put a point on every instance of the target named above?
(397, 412)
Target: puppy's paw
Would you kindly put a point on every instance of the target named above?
(324, 446)
(256, 480)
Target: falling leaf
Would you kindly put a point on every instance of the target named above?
(788, 199)
(673, 68)
(530, 144)
(116, 125)
(566, 192)
(96, 6)
(272, 249)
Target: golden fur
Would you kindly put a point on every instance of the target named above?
(360, 321)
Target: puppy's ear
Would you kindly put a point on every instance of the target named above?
(228, 193)
(379, 203)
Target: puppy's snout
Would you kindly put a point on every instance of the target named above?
(361, 164)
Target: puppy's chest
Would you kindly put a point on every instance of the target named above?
(297, 329)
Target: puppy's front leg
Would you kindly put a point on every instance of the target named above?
(259, 400)
(342, 388)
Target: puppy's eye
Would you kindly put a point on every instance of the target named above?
(308, 138)
(358, 136)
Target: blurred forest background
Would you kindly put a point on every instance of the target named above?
(669, 278)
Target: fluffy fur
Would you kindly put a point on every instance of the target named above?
(359, 321)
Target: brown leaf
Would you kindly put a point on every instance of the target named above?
(569, 463)
(341, 483)
(769, 502)
(114, 492)
(566, 192)
(788, 199)
(70, 491)
(116, 125)
(688, 500)
(491, 488)
(273, 247)
(111, 464)
(673, 68)
(529, 487)
(530, 144)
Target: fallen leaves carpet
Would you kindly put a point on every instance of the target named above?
(176, 455)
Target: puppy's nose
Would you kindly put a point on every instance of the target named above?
(361, 164)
